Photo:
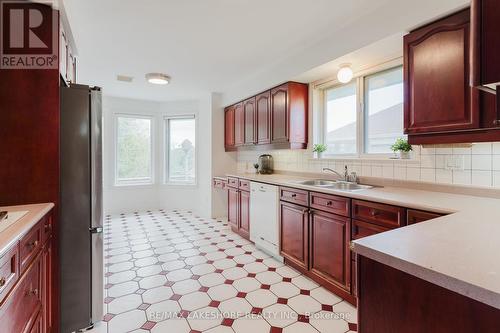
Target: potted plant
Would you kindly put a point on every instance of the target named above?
(319, 149)
(402, 148)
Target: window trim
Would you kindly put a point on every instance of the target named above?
(320, 88)
(166, 151)
(144, 181)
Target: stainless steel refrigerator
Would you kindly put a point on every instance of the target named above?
(81, 215)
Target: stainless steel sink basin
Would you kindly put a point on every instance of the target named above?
(346, 186)
(335, 185)
(318, 182)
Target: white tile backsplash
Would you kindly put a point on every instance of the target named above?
(481, 165)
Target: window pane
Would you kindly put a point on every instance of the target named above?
(384, 110)
(341, 119)
(181, 154)
(133, 149)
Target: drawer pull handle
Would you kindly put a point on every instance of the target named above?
(294, 195)
(2, 282)
(374, 213)
(32, 245)
(48, 227)
(329, 203)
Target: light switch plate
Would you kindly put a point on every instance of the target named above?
(454, 162)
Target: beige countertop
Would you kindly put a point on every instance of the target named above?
(18, 229)
(458, 252)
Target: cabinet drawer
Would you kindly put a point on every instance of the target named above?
(416, 216)
(294, 195)
(219, 183)
(9, 270)
(362, 229)
(30, 245)
(20, 308)
(244, 185)
(232, 182)
(331, 203)
(384, 215)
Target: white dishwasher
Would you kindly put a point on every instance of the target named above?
(264, 211)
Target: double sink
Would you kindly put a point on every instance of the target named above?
(335, 185)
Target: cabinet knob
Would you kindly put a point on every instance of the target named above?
(2, 282)
(374, 212)
(329, 203)
(294, 195)
(496, 122)
(32, 245)
(48, 227)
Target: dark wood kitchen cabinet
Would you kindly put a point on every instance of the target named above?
(26, 283)
(436, 77)
(263, 112)
(330, 256)
(229, 128)
(250, 121)
(485, 25)
(238, 195)
(274, 119)
(239, 125)
(294, 234)
(289, 104)
(440, 105)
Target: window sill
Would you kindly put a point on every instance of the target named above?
(180, 185)
(134, 185)
(366, 158)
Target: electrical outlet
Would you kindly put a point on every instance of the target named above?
(454, 162)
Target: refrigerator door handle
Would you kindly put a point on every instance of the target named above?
(96, 230)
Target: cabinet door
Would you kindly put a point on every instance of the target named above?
(244, 227)
(294, 233)
(47, 288)
(250, 121)
(262, 105)
(279, 114)
(239, 125)
(330, 254)
(438, 97)
(229, 127)
(232, 207)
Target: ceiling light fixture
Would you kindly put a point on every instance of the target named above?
(345, 73)
(157, 78)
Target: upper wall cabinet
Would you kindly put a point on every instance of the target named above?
(440, 105)
(486, 43)
(275, 119)
(437, 77)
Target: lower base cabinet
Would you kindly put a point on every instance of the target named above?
(294, 231)
(27, 306)
(239, 211)
(329, 250)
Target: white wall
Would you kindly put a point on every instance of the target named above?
(211, 158)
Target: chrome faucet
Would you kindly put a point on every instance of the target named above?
(344, 177)
(353, 177)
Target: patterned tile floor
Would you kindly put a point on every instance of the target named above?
(172, 271)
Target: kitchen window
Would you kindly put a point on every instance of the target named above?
(363, 118)
(180, 154)
(134, 157)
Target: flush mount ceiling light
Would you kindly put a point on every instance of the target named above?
(345, 73)
(157, 78)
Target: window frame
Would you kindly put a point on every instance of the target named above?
(321, 117)
(146, 181)
(166, 150)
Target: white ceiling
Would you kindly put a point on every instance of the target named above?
(235, 47)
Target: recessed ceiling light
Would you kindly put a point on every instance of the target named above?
(345, 73)
(157, 78)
